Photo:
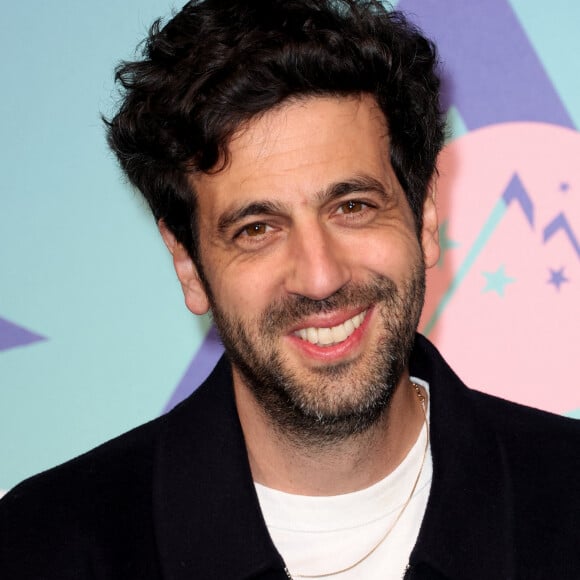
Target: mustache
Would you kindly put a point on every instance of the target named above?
(292, 309)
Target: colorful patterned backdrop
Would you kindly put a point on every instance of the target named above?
(94, 337)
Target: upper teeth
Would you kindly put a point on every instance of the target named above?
(332, 335)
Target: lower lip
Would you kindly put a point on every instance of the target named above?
(333, 352)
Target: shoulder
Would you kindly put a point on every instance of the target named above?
(538, 449)
(515, 423)
(511, 416)
(502, 471)
(97, 469)
(94, 516)
(54, 520)
(540, 463)
(534, 439)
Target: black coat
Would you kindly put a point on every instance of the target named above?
(174, 498)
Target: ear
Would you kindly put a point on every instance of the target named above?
(430, 230)
(191, 284)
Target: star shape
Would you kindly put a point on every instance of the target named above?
(557, 278)
(497, 281)
(445, 242)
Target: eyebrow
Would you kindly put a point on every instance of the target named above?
(355, 185)
(334, 191)
(229, 218)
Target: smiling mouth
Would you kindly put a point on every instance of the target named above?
(332, 335)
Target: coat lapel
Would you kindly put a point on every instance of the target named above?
(207, 514)
(467, 531)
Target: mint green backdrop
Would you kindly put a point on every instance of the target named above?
(81, 264)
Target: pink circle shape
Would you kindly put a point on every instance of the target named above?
(503, 304)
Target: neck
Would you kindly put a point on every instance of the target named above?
(332, 468)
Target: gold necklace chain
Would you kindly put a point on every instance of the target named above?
(296, 575)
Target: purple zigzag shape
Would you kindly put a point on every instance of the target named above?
(492, 72)
(515, 191)
(12, 335)
(560, 222)
(200, 367)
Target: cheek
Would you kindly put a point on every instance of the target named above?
(393, 256)
(244, 291)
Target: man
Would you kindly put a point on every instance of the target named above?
(287, 150)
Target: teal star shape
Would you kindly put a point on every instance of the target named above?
(497, 281)
(445, 242)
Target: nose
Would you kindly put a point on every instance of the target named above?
(317, 264)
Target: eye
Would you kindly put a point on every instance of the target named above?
(253, 230)
(352, 206)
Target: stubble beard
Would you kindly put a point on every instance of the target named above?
(332, 402)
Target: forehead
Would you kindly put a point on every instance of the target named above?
(298, 149)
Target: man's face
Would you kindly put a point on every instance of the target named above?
(313, 269)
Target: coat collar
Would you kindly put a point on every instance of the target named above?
(467, 531)
(207, 515)
(208, 518)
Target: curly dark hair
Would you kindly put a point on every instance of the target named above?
(218, 63)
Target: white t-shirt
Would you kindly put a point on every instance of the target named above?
(317, 535)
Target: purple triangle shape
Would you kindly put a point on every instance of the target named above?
(492, 73)
(199, 369)
(12, 335)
